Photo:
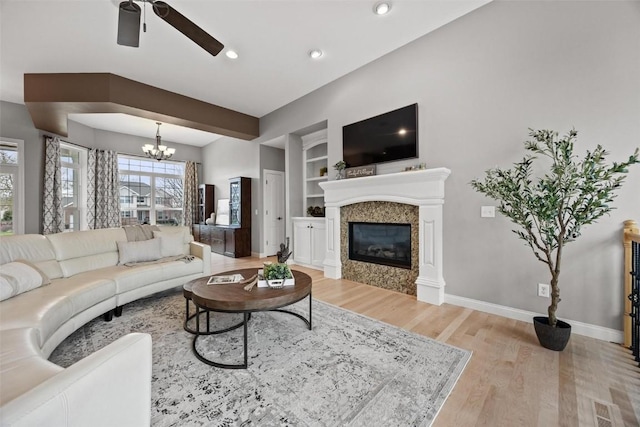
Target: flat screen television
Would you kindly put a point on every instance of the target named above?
(385, 138)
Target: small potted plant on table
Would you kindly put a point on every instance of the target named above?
(276, 274)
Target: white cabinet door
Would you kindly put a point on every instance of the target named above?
(302, 241)
(318, 245)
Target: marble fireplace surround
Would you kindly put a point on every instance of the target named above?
(424, 189)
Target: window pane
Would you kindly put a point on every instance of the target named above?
(146, 197)
(69, 155)
(168, 200)
(6, 203)
(8, 154)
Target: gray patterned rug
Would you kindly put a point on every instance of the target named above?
(349, 371)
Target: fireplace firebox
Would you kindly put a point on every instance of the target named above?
(380, 243)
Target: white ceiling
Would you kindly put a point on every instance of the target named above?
(139, 126)
(272, 37)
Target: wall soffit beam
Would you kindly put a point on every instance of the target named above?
(51, 97)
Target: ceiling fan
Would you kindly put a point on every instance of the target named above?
(129, 25)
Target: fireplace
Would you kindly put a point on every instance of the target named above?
(380, 243)
(422, 190)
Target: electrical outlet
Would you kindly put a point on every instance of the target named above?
(543, 290)
(488, 212)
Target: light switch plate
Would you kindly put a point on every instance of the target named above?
(488, 212)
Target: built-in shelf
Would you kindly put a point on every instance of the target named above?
(318, 178)
(316, 160)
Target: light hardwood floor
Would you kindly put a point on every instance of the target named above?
(510, 380)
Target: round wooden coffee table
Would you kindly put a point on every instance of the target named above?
(232, 298)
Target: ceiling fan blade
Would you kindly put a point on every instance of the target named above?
(129, 24)
(186, 27)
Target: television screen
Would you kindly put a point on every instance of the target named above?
(384, 138)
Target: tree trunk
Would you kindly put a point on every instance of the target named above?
(555, 299)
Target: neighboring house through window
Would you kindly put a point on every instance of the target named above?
(11, 186)
(150, 191)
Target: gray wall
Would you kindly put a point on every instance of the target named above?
(480, 83)
(271, 158)
(228, 158)
(15, 122)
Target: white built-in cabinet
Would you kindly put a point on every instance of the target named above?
(314, 155)
(309, 241)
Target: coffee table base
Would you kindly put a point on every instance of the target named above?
(188, 317)
(247, 316)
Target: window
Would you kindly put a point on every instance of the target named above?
(153, 191)
(73, 162)
(11, 186)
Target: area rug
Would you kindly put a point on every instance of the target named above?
(350, 370)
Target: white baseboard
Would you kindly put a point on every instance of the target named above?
(580, 328)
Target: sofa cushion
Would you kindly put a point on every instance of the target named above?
(174, 269)
(22, 366)
(18, 277)
(33, 247)
(49, 307)
(131, 277)
(171, 244)
(185, 232)
(82, 251)
(139, 251)
(85, 290)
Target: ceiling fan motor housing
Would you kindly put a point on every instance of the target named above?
(129, 24)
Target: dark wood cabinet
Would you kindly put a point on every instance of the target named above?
(205, 203)
(240, 202)
(224, 240)
(232, 240)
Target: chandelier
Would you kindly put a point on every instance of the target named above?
(159, 151)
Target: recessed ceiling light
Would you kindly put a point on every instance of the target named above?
(315, 53)
(232, 54)
(382, 8)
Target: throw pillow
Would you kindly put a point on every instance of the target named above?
(20, 276)
(144, 250)
(171, 244)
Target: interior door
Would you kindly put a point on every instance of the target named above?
(274, 221)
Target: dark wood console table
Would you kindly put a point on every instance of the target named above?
(230, 241)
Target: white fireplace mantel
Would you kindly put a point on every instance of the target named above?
(425, 189)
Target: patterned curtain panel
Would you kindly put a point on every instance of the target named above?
(52, 211)
(190, 200)
(103, 189)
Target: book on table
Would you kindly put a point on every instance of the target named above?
(225, 279)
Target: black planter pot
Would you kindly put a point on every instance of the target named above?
(555, 339)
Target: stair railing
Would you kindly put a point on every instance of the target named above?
(631, 241)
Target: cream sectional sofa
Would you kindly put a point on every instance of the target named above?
(110, 387)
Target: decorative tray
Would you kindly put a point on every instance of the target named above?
(262, 283)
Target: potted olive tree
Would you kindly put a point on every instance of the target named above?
(551, 208)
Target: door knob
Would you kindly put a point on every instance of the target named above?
(279, 218)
